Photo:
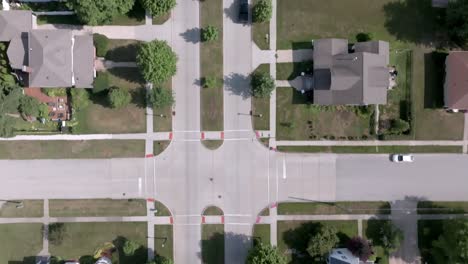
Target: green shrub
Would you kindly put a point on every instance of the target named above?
(160, 97)
(363, 37)
(158, 7)
(262, 11)
(53, 92)
(119, 97)
(101, 43)
(211, 82)
(130, 247)
(101, 83)
(262, 84)
(210, 33)
(80, 98)
(398, 127)
(29, 106)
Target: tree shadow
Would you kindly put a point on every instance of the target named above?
(414, 21)
(139, 97)
(137, 12)
(434, 74)
(139, 257)
(128, 74)
(127, 53)
(232, 12)
(192, 35)
(238, 84)
(302, 45)
(213, 248)
(25, 260)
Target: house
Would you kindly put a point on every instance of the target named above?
(47, 58)
(344, 256)
(456, 81)
(357, 78)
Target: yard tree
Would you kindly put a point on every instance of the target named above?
(101, 43)
(160, 97)
(264, 254)
(157, 61)
(452, 244)
(360, 248)
(10, 96)
(158, 7)
(80, 98)
(322, 242)
(119, 98)
(92, 12)
(390, 236)
(262, 84)
(210, 33)
(363, 37)
(262, 11)
(29, 106)
(399, 126)
(130, 247)
(457, 20)
(56, 233)
(6, 126)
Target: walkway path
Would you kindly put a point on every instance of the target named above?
(372, 143)
(103, 64)
(294, 55)
(465, 134)
(273, 39)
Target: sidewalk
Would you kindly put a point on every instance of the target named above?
(372, 143)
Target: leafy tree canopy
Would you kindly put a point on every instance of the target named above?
(29, 106)
(160, 97)
(390, 236)
(6, 126)
(94, 12)
(262, 11)
(360, 248)
(158, 7)
(119, 97)
(80, 98)
(457, 20)
(262, 84)
(265, 254)
(210, 33)
(323, 241)
(130, 247)
(452, 245)
(9, 98)
(157, 61)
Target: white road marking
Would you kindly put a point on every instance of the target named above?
(154, 176)
(268, 174)
(284, 167)
(139, 186)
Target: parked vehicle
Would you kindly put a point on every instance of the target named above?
(243, 11)
(402, 158)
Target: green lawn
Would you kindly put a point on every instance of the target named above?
(261, 106)
(97, 207)
(428, 232)
(371, 149)
(99, 117)
(62, 149)
(23, 127)
(213, 210)
(211, 65)
(291, 70)
(82, 239)
(260, 32)
(261, 233)
(297, 119)
(161, 19)
(433, 207)
(295, 208)
(164, 241)
(20, 243)
(30, 208)
(160, 146)
(370, 230)
(212, 244)
(212, 144)
(162, 117)
(161, 209)
(122, 50)
(293, 236)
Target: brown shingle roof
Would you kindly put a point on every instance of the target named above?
(456, 80)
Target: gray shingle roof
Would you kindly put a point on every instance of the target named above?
(18, 51)
(13, 23)
(83, 61)
(350, 78)
(50, 58)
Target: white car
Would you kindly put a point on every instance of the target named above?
(402, 158)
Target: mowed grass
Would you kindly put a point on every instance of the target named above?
(160, 146)
(212, 244)
(81, 239)
(97, 207)
(211, 65)
(164, 241)
(80, 149)
(99, 117)
(372, 149)
(162, 116)
(298, 120)
(296, 208)
(30, 208)
(291, 70)
(261, 32)
(213, 210)
(261, 106)
(435, 207)
(261, 233)
(20, 243)
(293, 236)
(212, 144)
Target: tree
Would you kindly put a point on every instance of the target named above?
(157, 61)
(160, 97)
(53, 92)
(457, 20)
(158, 7)
(390, 236)
(94, 12)
(80, 98)
(262, 11)
(210, 33)
(322, 242)
(161, 260)
(452, 244)
(211, 82)
(264, 254)
(6, 126)
(130, 247)
(9, 98)
(119, 97)
(399, 126)
(101, 43)
(29, 106)
(363, 37)
(360, 248)
(56, 233)
(262, 84)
